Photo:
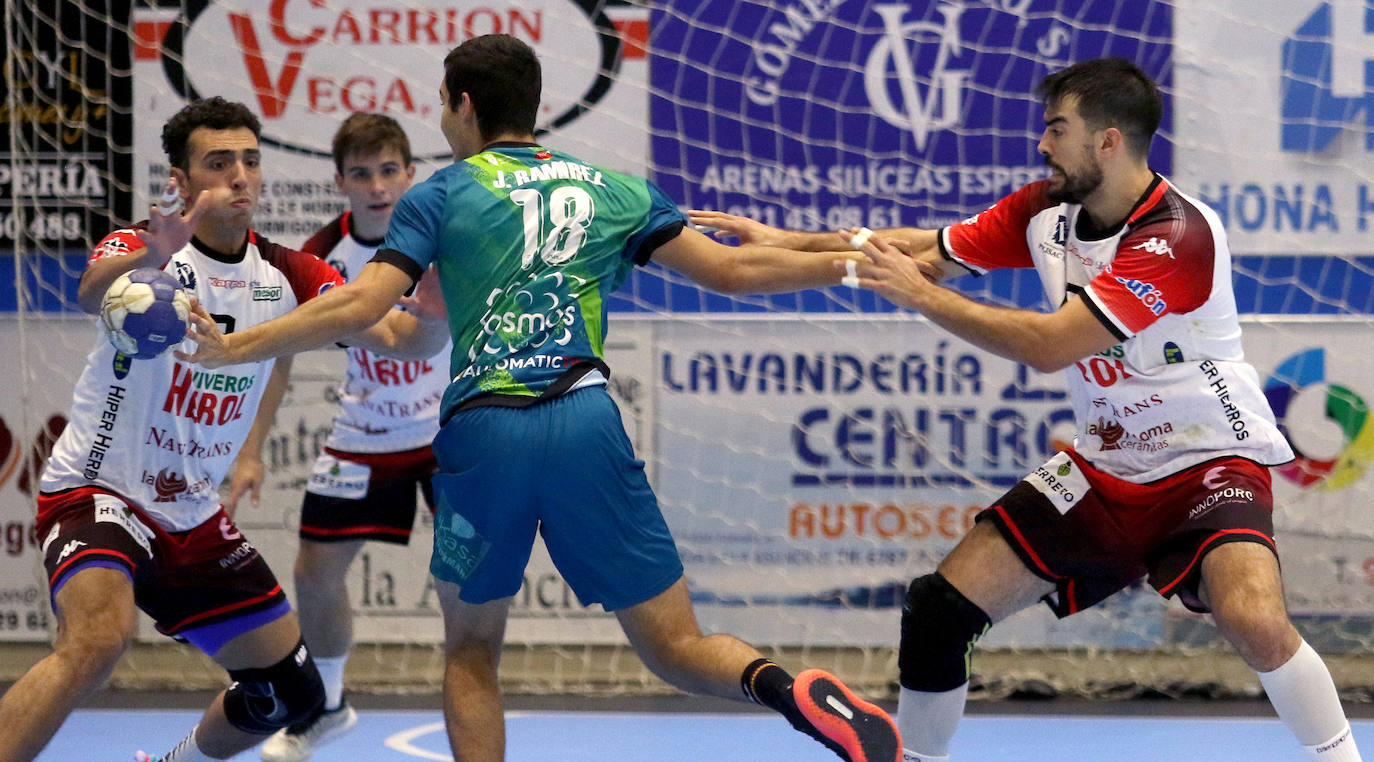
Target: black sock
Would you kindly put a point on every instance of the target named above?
(768, 684)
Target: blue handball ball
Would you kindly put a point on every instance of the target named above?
(145, 312)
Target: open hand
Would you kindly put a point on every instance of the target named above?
(212, 346)
(890, 272)
(746, 230)
(167, 234)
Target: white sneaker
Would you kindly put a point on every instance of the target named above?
(299, 741)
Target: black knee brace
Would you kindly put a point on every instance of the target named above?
(266, 699)
(939, 628)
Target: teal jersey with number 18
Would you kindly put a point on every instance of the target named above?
(528, 244)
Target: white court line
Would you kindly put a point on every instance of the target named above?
(402, 742)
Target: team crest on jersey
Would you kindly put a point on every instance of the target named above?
(186, 275)
(1172, 354)
(121, 365)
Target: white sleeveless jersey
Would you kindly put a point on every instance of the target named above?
(1177, 390)
(385, 405)
(164, 433)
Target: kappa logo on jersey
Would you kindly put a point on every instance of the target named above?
(1156, 246)
(186, 274)
(1323, 87)
(113, 510)
(52, 536)
(70, 548)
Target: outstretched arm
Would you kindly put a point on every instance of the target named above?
(911, 240)
(346, 313)
(752, 269)
(1045, 341)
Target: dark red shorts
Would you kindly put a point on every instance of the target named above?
(1093, 534)
(206, 585)
(360, 496)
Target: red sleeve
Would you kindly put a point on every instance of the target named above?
(119, 243)
(308, 275)
(997, 237)
(326, 238)
(1165, 265)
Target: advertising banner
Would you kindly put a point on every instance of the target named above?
(807, 469)
(303, 67)
(60, 168)
(824, 115)
(1290, 81)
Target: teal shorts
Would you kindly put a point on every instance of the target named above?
(566, 468)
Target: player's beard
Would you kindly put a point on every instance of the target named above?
(1076, 186)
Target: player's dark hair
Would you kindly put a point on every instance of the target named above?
(215, 113)
(501, 75)
(369, 134)
(1111, 92)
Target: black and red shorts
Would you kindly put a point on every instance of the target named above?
(1093, 534)
(366, 496)
(206, 585)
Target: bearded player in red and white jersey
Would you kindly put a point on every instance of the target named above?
(1167, 477)
(129, 509)
(363, 485)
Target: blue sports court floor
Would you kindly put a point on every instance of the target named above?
(1047, 732)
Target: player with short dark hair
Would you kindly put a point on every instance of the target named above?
(1167, 478)
(529, 242)
(129, 505)
(363, 485)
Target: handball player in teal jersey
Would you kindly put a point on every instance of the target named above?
(528, 243)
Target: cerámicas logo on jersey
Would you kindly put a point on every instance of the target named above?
(303, 65)
(168, 484)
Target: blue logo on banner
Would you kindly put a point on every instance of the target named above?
(825, 114)
(1328, 69)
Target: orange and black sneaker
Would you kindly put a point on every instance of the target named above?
(856, 730)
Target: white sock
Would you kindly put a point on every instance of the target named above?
(1341, 748)
(188, 751)
(1304, 695)
(927, 722)
(331, 672)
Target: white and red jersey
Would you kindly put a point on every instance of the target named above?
(385, 405)
(164, 433)
(1177, 390)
